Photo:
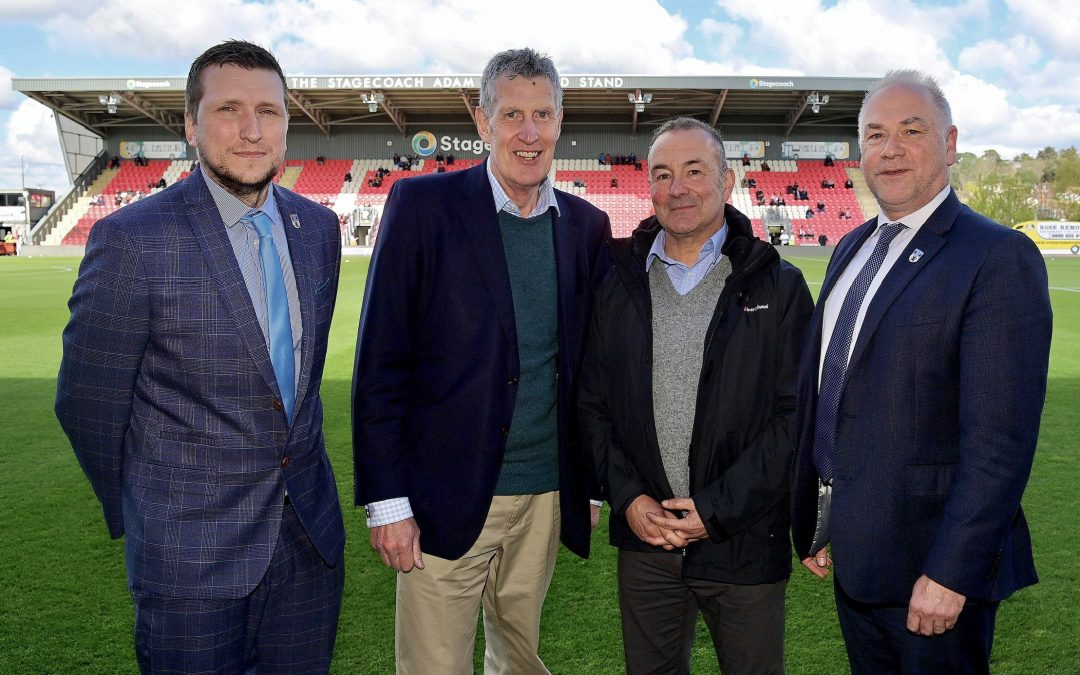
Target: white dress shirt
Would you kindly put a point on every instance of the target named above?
(897, 247)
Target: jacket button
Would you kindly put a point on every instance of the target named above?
(285, 461)
(512, 382)
(278, 404)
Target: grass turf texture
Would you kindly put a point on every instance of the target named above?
(64, 606)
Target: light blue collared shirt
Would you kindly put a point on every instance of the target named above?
(245, 246)
(685, 278)
(503, 202)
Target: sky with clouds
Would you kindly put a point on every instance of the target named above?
(1011, 68)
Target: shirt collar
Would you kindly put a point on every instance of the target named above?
(503, 202)
(917, 219)
(710, 250)
(232, 209)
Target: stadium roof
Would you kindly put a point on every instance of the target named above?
(334, 101)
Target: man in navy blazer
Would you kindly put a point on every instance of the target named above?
(920, 395)
(201, 451)
(466, 455)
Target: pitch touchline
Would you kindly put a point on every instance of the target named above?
(41, 270)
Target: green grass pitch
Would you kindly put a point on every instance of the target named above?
(64, 606)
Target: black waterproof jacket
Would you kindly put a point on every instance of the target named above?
(744, 426)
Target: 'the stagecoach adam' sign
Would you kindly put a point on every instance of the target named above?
(437, 82)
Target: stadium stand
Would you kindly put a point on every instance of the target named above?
(625, 199)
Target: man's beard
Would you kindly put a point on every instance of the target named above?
(233, 184)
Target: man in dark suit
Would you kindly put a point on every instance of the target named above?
(475, 310)
(189, 389)
(920, 394)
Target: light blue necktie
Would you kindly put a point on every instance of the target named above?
(836, 355)
(277, 309)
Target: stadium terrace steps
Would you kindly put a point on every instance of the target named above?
(866, 199)
(287, 177)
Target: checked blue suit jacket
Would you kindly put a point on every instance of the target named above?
(939, 416)
(168, 395)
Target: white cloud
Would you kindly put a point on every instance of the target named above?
(850, 37)
(8, 97)
(31, 138)
(986, 118)
(723, 40)
(31, 10)
(1017, 87)
(1015, 57)
(1056, 22)
(337, 36)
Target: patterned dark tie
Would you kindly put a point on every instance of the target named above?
(277, 308)
(836, 355)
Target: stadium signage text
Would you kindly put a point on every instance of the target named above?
(153, 149)
(12, 214)
(429, 82)
(148, 84)
(424, 144)
(815, 149)
(772, 84)
(1056, 231)
(736, 149)
(590, 82)
(383, 82)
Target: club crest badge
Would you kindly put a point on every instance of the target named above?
(914, 257)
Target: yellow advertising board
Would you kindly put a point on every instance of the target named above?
(1053, 236)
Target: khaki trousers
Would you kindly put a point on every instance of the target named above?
(508, 570)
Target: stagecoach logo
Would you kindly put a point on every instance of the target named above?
(423, 143)
(771, 84)
(148, 84)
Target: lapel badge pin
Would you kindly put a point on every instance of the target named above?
(296, 221)
(914, 257)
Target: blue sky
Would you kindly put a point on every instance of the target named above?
(1011, 68)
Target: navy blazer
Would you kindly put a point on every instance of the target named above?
(168, 395)
(939, 416)
(437, 363)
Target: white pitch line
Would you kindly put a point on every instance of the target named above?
(1067, 290)
(16, 272)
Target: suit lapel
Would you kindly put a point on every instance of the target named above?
(480, 221)
(929, 239)
(293, 216)
(566, 268)
(205, 221)
(843, 255)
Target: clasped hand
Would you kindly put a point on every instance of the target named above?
(658, 524)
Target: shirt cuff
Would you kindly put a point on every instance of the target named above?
(596, 502)
(388, 511)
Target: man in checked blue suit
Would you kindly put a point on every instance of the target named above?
(189, 389)
(920, 395)
(466, 452)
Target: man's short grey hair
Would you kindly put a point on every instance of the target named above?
(691, 124)
(527, 63)
(910, 78)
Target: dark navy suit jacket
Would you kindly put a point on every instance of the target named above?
(939, 417)
(168, 396)
(437, 363)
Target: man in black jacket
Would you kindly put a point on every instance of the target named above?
(687, 404)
